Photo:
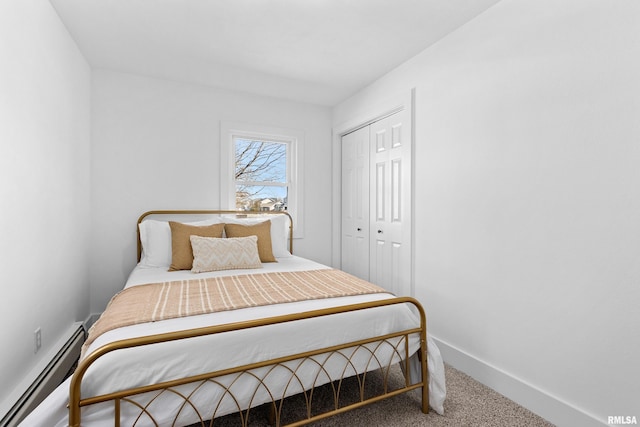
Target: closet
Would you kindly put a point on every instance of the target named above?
(376, 224)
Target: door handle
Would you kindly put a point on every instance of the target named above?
(359, 229)
(379, 231)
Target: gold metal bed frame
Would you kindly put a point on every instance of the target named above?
(399, 342)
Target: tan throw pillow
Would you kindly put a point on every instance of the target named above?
(212, 254)
(262, 230)
(181, 253)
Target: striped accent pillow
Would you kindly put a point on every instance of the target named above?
(212, 254)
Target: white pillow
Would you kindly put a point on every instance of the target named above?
(279, 231)
(212, 254)
(155, 237)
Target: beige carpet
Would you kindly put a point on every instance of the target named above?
(468, 403)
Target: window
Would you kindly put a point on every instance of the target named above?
(259, 170)
(261, 174)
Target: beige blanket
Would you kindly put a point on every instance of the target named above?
(167, 300)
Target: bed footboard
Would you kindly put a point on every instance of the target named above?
(303, 371)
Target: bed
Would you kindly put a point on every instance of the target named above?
(247, 324)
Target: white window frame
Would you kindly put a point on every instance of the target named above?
(295, 141)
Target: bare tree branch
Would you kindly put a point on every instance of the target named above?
(257, 161)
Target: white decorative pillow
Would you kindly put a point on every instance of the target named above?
(212, 254)
(279, 231)
(155, 237)
(280, 235)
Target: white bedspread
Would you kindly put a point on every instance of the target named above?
(212, 352)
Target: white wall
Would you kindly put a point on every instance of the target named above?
(156, 145)
(527, 205)
(44, 188)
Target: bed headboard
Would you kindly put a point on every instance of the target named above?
(182, 215)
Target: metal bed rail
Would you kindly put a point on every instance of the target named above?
(396, 340)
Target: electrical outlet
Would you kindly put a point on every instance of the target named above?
(37, 338)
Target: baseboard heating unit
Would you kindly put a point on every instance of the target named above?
(53, 375)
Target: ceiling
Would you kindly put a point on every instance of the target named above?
(315, 51)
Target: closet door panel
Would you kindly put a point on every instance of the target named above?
(355, 203)
(396, 190)
(380, 193)
(391, 204)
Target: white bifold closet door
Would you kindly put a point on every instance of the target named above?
(355, 203)
(376, 202)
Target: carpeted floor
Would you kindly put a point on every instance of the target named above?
(468, 403)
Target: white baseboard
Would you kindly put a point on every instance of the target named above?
(537, 401)
(90, 320)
